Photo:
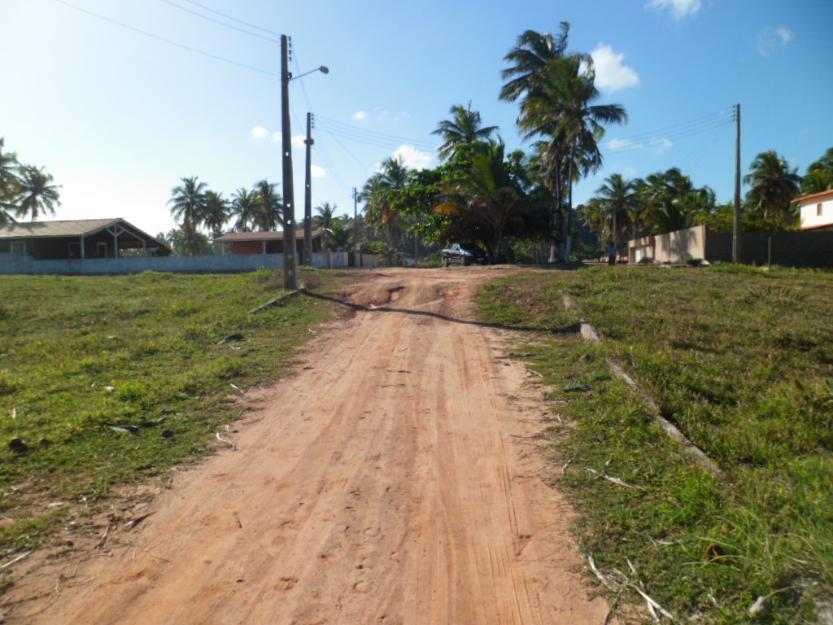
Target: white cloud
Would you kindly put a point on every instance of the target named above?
(413, 158)
(317, 172)
(276, 137)
(259, 132)
(770, 39)
(621, 144)
(611, 72)
(360, 116)
(679, 9)
(660, 145)
(784, 34)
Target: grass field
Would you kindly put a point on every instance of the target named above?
(741, 361)
(109, 380)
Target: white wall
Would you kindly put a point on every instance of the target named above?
(810, 217)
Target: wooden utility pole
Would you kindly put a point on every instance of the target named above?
(308, 195)
(290, 280)
(357, 251)
(736, 217)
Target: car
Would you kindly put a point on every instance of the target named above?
(464, 254)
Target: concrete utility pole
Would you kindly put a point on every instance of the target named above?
(736, 218)
(308, 195)
(290, 274)
(357, 251)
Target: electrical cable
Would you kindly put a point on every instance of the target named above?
(221, 23)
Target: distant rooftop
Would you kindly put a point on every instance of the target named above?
(269, 235)
(69, 228)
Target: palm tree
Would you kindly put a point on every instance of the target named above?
(381, 193)
(617, 197)
(9, 182)
(36, 194)
(528, 60)
(269, 206)
(463, 129)
(774, 185)
(486, 198)
(244, 208)
(325, 214)
(560, 108)
(215, 213)
(819, 175)
(188, 206)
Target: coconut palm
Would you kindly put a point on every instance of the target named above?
(617, 197)
(560, 109)
(380, 194)
(269, 206)
(463, 129)
(819, 175)
(36, 194)
(528, 60)
(9, 182)
(774, 185)
(187, 206)
(244, 208)
(215, 212)
(325, 214)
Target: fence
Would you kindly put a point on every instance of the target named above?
(14, 264)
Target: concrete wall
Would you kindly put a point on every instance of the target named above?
(813, 248)
(14, 264)
(817, 214)
(671, 247)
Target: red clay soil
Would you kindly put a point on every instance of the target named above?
(394, 478)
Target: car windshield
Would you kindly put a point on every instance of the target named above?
(472, 249)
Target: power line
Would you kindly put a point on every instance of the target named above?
(171, 42)
(378, 141)
(232, 18)
(221, 23)
(371, 134)
(679, 126)
(347, 151)
(658, 139)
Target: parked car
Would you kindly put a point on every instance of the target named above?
(464, 254)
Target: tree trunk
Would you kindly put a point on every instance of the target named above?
(553, 254)
(568, 221)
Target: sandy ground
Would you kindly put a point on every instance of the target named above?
(393, 479)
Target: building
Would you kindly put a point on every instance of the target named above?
(816, 210)
(76, 239)
(806, 248)
(269, 242)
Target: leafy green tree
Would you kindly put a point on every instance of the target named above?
(185, 243)
(268, 215)
(819, 175)
(9, 181)
(187, 207)
(380, 194)
(36, 193)
(215, 213)
(464, 128)
(773, 187)
(486, 201)
(244, 207)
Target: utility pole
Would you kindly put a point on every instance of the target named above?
(357, 252)
(308, 195)
(736, 217)
(290, 280)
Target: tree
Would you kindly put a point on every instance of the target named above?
(463, 129)
(269, 206)
(215, 213)
(773, 186)
(617, 198)
(184, 243)
(380, 194)
(486, 200)
(188, 206)
(325, 214)
(244, 207)
(560, 109)
(9, 182)
(36, 193)
(819, 175)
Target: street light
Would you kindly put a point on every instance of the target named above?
(323, 69)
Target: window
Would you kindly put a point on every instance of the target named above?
(818, 210)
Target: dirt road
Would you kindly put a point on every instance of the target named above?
(391, 480)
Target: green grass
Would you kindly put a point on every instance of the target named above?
(80, 356)
(742, 362)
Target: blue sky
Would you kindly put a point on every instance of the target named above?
(118, 117)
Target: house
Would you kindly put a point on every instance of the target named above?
(76, 239)
(269, 242)
(816, 210)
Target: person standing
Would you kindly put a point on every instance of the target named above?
(611, 253)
